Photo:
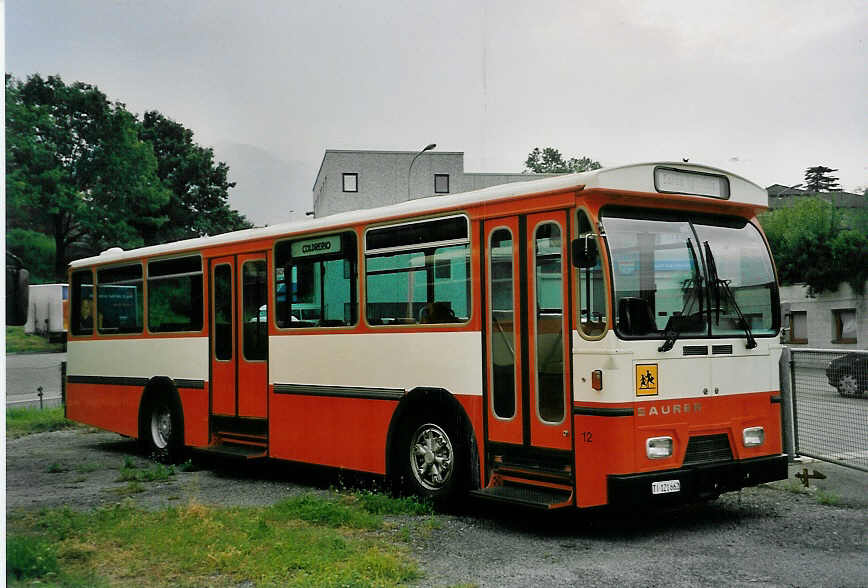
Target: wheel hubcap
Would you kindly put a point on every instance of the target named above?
(161, 426)
(431, 456)
(847, 384)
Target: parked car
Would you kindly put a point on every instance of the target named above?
(849, 374)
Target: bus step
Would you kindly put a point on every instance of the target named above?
(236, 451)
(242, 438)
(532, 496)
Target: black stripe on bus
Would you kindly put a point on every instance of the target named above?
(340, 391)
(127, 381)
(598, 411)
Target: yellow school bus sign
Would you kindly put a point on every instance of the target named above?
(646, 379)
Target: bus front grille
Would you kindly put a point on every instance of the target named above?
(708, 449)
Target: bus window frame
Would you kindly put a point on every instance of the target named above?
(96, 270)
(603, 253)
(356, 281)
(363, 275)
(205, 302)
(75, 303)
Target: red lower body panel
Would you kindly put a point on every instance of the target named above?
(107, 406)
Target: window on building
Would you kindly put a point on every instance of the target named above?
(798, 326)
(315, 282)
(81, 318)
(351, 182)
(175, 295)
(120, 299)
(441, 183)
(844, 326)
(418, 272)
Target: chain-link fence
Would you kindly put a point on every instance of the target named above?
(830, 405)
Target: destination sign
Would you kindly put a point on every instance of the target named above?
(680, 181)
(318, 246)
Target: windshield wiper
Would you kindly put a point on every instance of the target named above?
(679, 322)
(721, 285)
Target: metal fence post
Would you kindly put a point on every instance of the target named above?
(795, 410)
(787, 412)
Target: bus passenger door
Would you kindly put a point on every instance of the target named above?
(527, 369)
(239, 336)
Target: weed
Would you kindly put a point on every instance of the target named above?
(129, 463)
(827, 498)
(55, 468)
(382, 504)
(29, 557)
(188, 466)
(315, 509)
(132, 487)
(156, 473)
(86, 468)
(25, 421)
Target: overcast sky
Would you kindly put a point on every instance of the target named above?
(765, 89)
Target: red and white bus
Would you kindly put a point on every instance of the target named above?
(592, 339)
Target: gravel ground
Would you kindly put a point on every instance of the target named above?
(759, 537)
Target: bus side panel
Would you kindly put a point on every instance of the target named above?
(604, 445)
(194, 403)
(473, 407)
(107, 406)
(332, 431)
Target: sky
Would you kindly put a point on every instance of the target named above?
(765, 89)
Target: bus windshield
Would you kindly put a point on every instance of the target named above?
(661, 270)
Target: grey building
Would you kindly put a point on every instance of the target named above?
(831, 320)
(351, 180)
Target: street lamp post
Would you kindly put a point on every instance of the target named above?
(427, 147)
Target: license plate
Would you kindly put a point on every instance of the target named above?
(666, 486)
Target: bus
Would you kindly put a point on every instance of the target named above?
(608, 338)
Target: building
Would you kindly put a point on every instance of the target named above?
(831, 320)
(352, 180)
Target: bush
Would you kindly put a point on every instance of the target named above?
(29, 557)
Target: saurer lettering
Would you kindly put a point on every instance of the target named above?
(685, 408)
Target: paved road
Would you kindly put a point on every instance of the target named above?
(26, 372)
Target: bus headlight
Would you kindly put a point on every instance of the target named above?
(753, 436)
(658, 447)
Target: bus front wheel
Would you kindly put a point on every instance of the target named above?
(434, 459)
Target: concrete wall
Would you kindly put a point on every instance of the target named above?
(820, 319)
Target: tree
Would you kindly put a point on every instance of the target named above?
(75, 168)
(199, 188)
(550, 161)
(817, 179)
(811, 246)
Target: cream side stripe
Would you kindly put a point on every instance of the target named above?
(184, 358)
(452, 361)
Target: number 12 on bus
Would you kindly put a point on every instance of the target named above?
(604, 338)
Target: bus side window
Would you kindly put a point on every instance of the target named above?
(592, 288)
(82, 303)
(315, 282)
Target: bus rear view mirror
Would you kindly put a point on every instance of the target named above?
(584, 251)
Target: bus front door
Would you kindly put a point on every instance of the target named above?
(527, 349)
(239, 336)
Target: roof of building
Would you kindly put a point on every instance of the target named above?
(783, 196)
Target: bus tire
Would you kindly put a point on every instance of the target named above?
(162, 429)
(433, 458)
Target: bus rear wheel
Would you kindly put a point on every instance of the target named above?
(162, 430)
(434, 459)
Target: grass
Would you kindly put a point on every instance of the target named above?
(307, 540)
(25, 421)
(156, 473)
(17, 341)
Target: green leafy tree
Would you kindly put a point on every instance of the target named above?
(811, 246)
(199, 187)
(550, 161)
(817, 179)
(76, 169)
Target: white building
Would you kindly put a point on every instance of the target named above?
(351, 180)
(831, 320)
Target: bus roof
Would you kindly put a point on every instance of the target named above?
(637, 177)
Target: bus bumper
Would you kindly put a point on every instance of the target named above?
(694, 482)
